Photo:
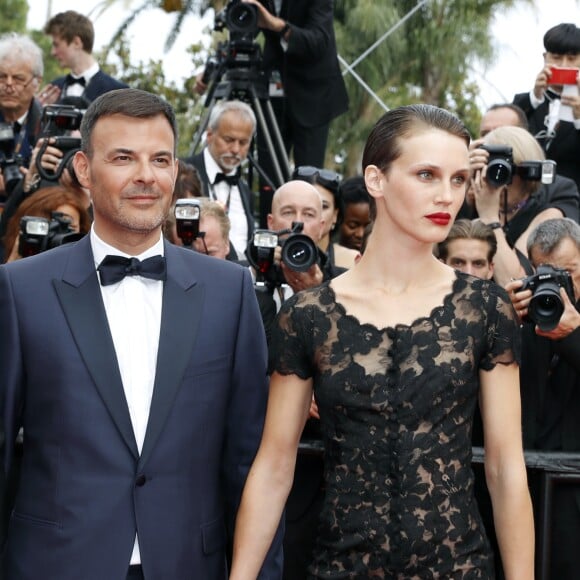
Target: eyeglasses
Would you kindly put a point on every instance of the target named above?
(325, 177)
(18, 81)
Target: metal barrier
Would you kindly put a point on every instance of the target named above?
(555, 467)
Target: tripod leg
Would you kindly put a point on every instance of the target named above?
(279, 141)
(201, 129)
(263, 127)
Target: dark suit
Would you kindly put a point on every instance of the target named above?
(314, 89)
(29, 132)
(564, 148)
(550, 385)
(245, 194)
(99, 84)
(84, 490)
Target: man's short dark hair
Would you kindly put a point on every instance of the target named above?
(69, 24)
(563, 39)
(133, 103)
(465, 229)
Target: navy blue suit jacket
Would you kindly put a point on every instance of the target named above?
(84, 490)
(100, 83)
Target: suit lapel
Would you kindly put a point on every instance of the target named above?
(80, 298)
(180, 316)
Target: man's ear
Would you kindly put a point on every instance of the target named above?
(81, 167)
(269, 219)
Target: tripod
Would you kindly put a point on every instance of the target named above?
(239, 77)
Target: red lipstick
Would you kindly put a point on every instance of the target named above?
(441, 219)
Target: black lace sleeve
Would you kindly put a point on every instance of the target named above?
(503, 338)
(290, 351)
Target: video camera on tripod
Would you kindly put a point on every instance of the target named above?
(236, 72)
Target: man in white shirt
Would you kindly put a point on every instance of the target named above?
(137, 371)
(73, 36)
(231, 128)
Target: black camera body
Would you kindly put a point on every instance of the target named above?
(299, 253)
(58, 120)
(10, 162)
(546, 306)
(501, 167)
(38, 234)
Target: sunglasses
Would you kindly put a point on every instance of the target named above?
(325, 177)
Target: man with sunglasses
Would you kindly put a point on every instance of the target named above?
(21, 69)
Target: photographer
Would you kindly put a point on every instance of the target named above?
(21, 70)
(298, 201)
(70, 203)
(508, 199)
(552, 109)
(550, 375)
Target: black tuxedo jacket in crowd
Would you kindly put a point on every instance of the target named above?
(313, 84)
(245, 192)
(99, 84)
(564, 148)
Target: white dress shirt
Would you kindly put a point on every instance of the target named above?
(235, 209)
(77, 90)
(133, 308)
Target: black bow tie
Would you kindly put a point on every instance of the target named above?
(114, 268)
(229, 179)
(70, 80)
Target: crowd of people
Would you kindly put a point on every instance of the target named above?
(299, 398)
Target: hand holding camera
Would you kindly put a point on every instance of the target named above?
(547, 300)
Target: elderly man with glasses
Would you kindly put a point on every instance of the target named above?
(21, 69)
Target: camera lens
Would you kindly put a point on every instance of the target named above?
(299, 252)
(498, 172)
(546, 307)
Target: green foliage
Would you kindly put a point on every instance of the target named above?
(426, 58)
(150, 77)
(14, 14)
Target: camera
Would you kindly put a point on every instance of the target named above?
(546, 306)
(38, 234)
(10, 162)
(57, 122)
(299, 253)
(240, 19)
(501, 167)
(187, 213)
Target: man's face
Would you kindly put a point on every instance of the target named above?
(215, 243)
(501, 117)
(17, 86)
(230, 142)
(562, 60)
(470, 256)
(297, 201)
(130, 175)
(566, 256)
(65, 52)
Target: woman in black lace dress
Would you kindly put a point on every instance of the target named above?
(398, 350)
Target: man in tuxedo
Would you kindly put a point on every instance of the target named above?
(560, 139)
(230, 130)
(137, 371)
(73, 36)
(300, 46)
(21, 70)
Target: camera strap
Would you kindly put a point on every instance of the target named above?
(19, 129)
